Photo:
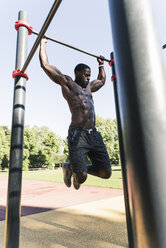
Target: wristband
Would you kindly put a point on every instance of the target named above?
(101, 65)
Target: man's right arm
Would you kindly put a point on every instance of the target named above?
(53, 73)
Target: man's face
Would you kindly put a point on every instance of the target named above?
(83, 77)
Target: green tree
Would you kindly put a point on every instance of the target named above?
(41, 147)
(52, 147)
(29, 146)
(4, 147)
(66, 150)
(108, 130)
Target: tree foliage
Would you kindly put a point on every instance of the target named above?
(43, 148)
(108, 130)
(4, 147)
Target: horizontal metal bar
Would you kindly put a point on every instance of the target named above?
(72, 47)
(164, 46)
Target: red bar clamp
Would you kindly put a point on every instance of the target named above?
(22, 23)
(18, 72)
(113, 77)
(110, 64)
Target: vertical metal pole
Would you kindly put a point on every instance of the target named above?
(142, 104)
(12, 229)
(122, 158)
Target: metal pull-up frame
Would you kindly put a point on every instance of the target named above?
(141, 113)
(70, 46)
(13, 210)
(141, 93)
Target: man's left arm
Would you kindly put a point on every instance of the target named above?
(100, 81)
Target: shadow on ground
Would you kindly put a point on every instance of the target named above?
(25, 210)
(57, 229)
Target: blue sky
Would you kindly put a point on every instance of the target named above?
(84, 24)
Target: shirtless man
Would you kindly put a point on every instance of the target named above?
(83, 139)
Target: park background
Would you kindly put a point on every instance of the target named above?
(83, 24)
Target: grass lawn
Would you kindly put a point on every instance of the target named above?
(56, 176)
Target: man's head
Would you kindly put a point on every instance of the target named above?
(82, 75)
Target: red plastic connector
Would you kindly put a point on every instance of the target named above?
(111, 62)
(113, 77)
(18, 72)
(22, 23)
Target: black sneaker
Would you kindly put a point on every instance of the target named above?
(76, 183)
(67, 173)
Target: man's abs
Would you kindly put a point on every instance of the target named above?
(83, 118)
(81, 106)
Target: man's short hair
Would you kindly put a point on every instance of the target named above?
(80, 67)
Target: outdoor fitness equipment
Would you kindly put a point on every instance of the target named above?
(140, 106)
(12, 229)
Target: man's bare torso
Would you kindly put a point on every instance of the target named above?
(78, 93)
(81, 105)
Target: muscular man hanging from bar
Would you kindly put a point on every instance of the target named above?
(83, 138)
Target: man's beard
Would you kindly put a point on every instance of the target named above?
(82, 84)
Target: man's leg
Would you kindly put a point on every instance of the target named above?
(67, 173)
(78, 162)
(101, 166)
(77, 156)
(104, 173)
(79, 178)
